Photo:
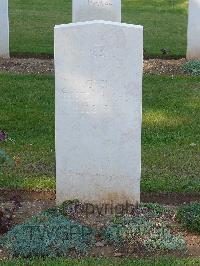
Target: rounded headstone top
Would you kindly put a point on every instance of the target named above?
(86, 10)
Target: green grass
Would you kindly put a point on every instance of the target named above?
(105, 262)
(170, 140)
(171, 134)
(165, 24)
(28, 117)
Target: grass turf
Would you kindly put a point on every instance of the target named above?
(165, 24)
(170, 139)
(108, 262)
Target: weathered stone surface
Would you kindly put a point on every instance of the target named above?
(193, 48)
(4, 29)
(98, 72)
(85, 10)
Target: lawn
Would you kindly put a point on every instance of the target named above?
(165, 24)
(106, 262)
(170, 140)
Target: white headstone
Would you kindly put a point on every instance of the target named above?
(193, 49)
(4, 29)
(98, 72)
(85, 10)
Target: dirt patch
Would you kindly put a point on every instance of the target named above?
(193, 244)
(164, 67)
(167, 198)
(27, 66)
(46, 66)
(28, 209)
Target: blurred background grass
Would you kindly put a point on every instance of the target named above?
(165, 24)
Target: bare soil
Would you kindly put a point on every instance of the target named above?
(46, 66)
(168, 198)
(27, 66)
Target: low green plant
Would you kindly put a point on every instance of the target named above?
(192, 67)
(154, 209)
(189, 216)
(48, 235)
(147, 229)
(69, 209)
(5, 159)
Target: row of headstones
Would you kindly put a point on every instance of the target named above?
(106, 10)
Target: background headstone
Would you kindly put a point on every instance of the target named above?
(4, 29)
(85, 10)
(98, 72)
(193, 48)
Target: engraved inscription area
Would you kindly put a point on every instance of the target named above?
(95, 96)
(99, 3)
(98, 51)
(89, 97)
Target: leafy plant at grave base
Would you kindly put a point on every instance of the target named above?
(68, 208)
(154, 209)
(143, 233)
(192, 67)
(149, 210)
(145, 229)
(48, 235)
(189, 216)
(4, 158)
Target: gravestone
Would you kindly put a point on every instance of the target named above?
(4, 29)
(98, 72)
(85, 10)
(193, 48)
